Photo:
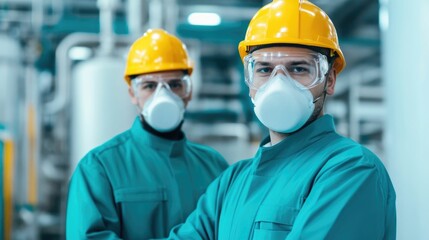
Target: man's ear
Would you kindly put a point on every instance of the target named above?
(332, 79)
(132, 96)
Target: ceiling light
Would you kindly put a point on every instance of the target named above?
(204, 19)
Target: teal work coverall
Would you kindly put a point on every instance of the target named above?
(138, 186)
(315, 184)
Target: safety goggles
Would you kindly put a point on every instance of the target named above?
(306, 69)
(146, 85)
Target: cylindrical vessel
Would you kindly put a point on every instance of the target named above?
(9, 72)
(100, 104)
(406, 80)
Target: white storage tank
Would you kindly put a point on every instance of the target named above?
(9, 72)
(100, 104)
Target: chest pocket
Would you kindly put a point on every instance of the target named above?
(274, 222)
(142, 211)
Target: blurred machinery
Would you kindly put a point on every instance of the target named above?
(13, 133)
(62, 91)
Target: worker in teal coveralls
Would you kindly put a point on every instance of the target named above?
(306, 181)
(148, 179)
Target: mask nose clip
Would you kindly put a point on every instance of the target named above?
(279, 69)
(161, 85)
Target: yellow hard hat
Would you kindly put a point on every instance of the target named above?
(293, 22)
(156, 51)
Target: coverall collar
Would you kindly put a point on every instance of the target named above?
(295, 142)
(174, 148)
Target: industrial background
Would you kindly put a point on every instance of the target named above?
(62, 92)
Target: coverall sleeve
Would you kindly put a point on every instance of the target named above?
(222, 162)
(202, 223)
(347, 201)
(91, 212)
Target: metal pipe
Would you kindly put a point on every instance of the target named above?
(57, 13)
(37, 15)
(62, 62)
(171, 16)
(63, 66)
(156, 14)
(107, 8)
(135, 16)
(37, 10)
(15, 16)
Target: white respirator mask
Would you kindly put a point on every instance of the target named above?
(282, 106)
(283, 101)
(164, 110)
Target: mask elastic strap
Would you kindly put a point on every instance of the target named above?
(323, 93)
